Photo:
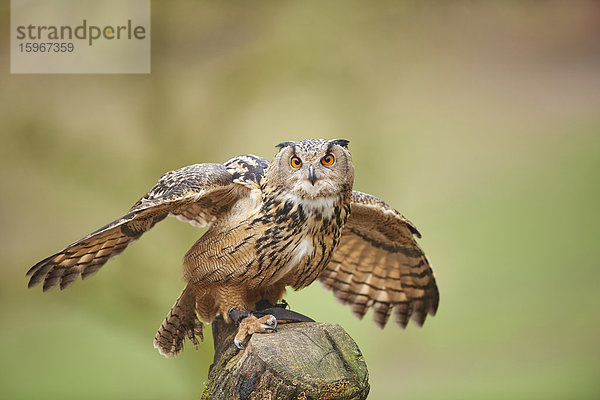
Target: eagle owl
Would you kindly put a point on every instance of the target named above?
(271, 225)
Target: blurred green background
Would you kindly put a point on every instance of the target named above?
(480, 121)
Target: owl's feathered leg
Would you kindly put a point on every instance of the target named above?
(181, 322)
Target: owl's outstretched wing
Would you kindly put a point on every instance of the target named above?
(379, 264)
(198, 194)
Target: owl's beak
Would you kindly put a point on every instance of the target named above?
(311, 175)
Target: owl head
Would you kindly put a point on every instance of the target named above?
(313, 168)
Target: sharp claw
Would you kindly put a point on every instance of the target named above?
(269, 327)
(238, 344)
(271, 324)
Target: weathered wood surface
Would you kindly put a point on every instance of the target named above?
(305, 360)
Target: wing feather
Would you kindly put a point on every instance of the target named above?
(379, 265)
(197, 193)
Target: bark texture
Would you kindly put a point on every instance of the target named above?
(306, 360)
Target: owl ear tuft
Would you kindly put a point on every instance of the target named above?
(341, 142)
(285, 144)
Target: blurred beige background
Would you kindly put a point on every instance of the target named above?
(479, 121)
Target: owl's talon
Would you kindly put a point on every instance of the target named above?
(271, 323)
(251, 325)
(269, 327)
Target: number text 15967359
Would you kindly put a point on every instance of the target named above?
(46, 47)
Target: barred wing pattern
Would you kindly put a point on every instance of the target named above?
(197, 193)
(379, 264)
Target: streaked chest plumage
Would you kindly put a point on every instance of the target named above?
(299, 237)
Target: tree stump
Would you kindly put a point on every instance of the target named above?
(303, 360)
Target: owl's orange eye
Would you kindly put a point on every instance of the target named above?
(329, 159)
(295, 162)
